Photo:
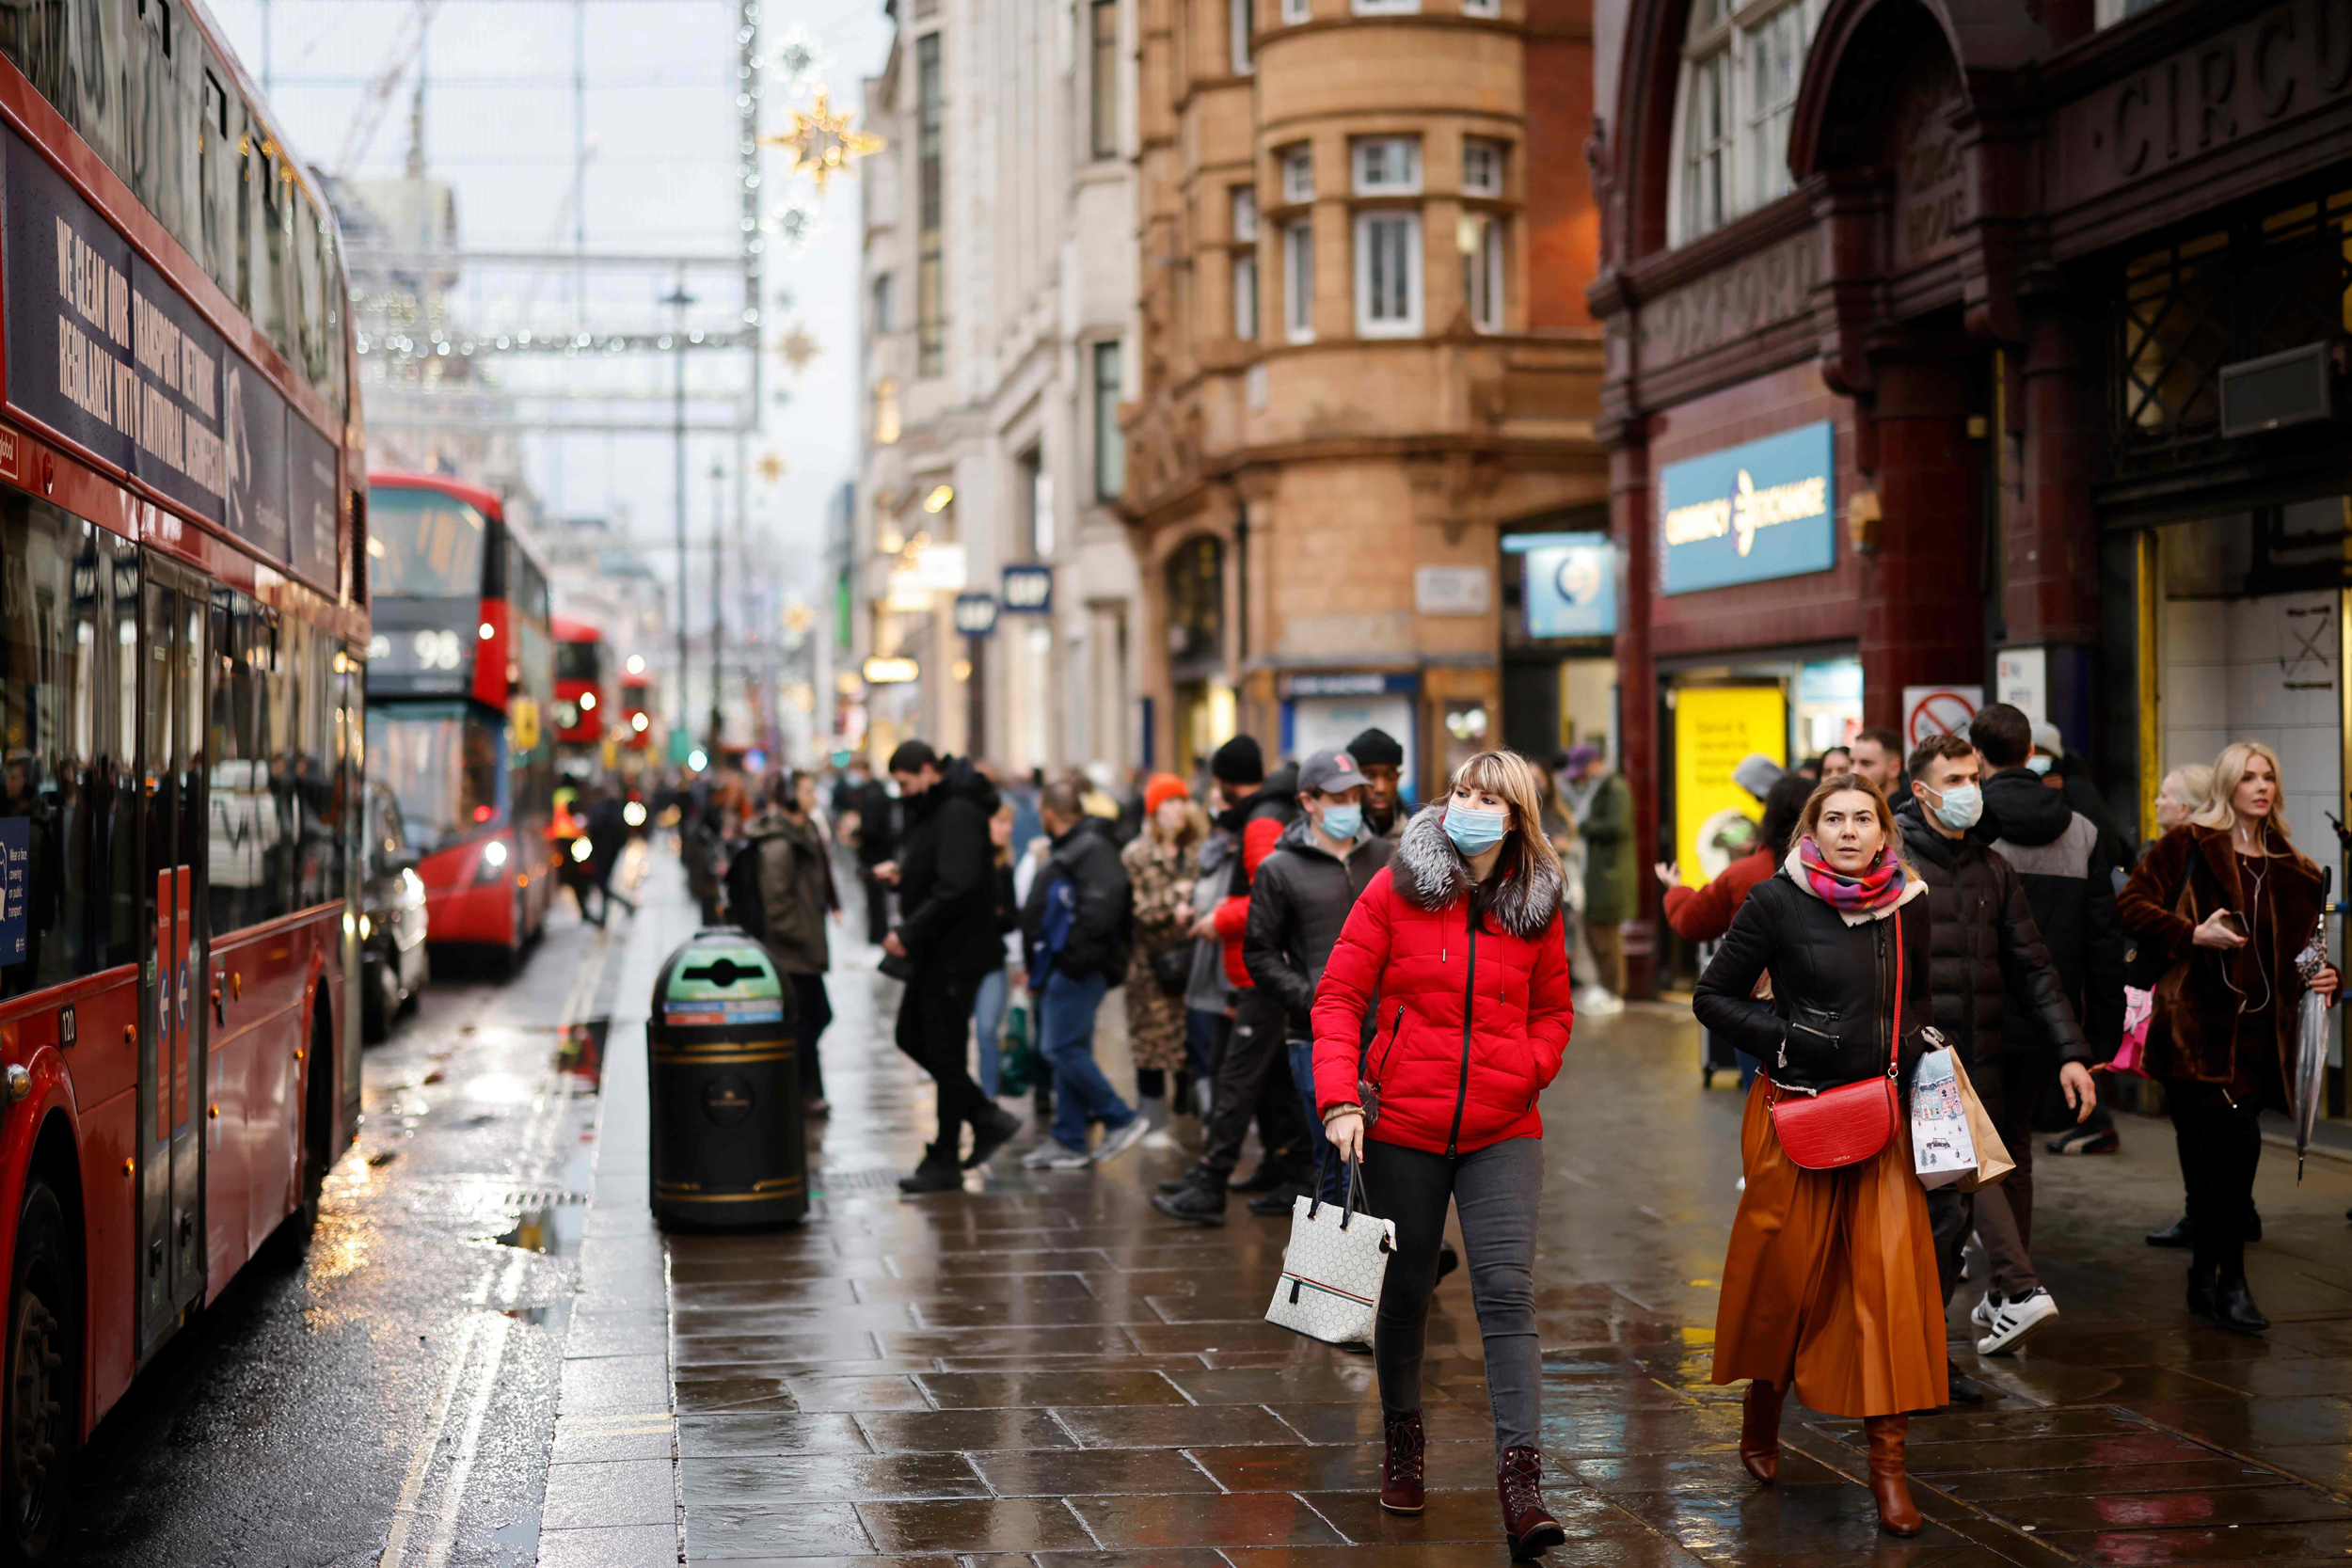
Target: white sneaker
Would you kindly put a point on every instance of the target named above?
(1118, 1143)
(1981, 1314)
(2013, 1321)
(1600, 1003)
(1059, 1158)
(1045, 1153)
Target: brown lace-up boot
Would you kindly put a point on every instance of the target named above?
(1888, 1484)
(1760, 1430)
(1399, 1470)
(1532, 1530)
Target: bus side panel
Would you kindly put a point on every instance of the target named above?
(109, 1135)
(266, 1024)
(459, 909)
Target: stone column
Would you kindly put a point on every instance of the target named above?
(1632, 523)
(1922, 596)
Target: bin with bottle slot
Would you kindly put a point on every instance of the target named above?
(730, 1145)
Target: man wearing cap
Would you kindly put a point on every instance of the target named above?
(1301, 898)
(1257, 812)
(1382, 761)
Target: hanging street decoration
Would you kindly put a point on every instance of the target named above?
(797, 60)
(823, 143)
(798, 347)
(796, 222)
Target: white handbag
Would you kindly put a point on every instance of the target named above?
(1333, 1267)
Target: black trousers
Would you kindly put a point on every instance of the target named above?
(1253, 1078)
(814, 1010)
(2221, 1147)
(876, 906)
(934, 1028)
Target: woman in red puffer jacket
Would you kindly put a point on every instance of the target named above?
(1461, 948)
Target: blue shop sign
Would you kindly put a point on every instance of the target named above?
(1762, 510)
(1028, 590)
(1570, 583)
(16, 866)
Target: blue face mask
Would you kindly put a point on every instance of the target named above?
(2039, 762)
(1343, 821)
(1472, 829)
(1962, 805)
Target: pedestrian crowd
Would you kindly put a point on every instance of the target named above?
(1388, 992)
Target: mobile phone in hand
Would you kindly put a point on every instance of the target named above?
(2234, 923)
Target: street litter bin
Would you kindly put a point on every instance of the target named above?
(730, 1147)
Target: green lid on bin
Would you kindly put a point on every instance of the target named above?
(722, 980)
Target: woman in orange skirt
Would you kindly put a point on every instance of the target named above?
(1830, 1283)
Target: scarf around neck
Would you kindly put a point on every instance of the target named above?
(1878, 888)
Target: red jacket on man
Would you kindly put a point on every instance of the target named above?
(1702, 913)
(1260, 821)
(1473, 1014)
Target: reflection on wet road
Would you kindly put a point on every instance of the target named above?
(389, 1398)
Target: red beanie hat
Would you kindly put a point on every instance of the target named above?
(1163, 788)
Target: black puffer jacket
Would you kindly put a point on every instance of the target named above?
(947, 874)
(1833, 987)
(1300, 899)
(1986, 950)
(1101, 927)
(2058, 854)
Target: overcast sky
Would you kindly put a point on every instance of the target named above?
(661, 118)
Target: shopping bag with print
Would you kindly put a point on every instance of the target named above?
(1942, 1150)
(1332, 1269)
(1992, 1160)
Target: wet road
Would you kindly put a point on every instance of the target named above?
(389, 1398)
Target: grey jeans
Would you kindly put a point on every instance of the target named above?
(1495, 1190)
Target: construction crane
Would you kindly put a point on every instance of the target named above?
(369, 117)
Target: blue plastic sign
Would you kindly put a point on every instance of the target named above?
(1028, 589)
(1747, 513)
(976, 615)
(1571, 583)
(16, 866)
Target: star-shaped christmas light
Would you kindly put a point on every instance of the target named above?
(822, 143)
(796, 222)
(797, 347)
(797, 59)
(772, 467)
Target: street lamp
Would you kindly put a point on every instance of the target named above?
(679, 298)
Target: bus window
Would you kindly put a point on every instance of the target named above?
(265, 214)
(432, 546)
(318, 774)
(32, 34)
(62, 795)
(93, 102)
(215, 241)
(310, 278)
(242, 830)
(441, 764)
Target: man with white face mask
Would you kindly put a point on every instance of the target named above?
(1985, 949)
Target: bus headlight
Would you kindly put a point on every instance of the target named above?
(493, 860)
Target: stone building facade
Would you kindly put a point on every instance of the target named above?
(2015, 331)
(1366, 359)
(999, 267)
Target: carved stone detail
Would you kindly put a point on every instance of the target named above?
(1772, 286)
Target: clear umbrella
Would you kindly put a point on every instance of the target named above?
(2311, 1036)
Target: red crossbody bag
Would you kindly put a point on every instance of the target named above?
(1851, 1122)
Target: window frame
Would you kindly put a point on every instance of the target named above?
(1243, 271)
(931, 264)
(1110, 442)
(1366, 254)
(1484, 270)
(1103, 104)
(1298, 174)
(1721, 175)
(1384, 7)
(1298, 280)
(1297, 11)
(1363, 150)
(1496, 152)
(1241, 23)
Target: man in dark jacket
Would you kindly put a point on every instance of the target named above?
(1382, 760)
(796, 896)
(1299, 902)
(2060, 855)
(1983, 949)
(1076, 930)
(1257, 810)
(876, 844)
(947, 936)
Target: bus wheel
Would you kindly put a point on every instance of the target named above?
(38, 1421)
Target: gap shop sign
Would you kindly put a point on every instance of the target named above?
(1762, 510)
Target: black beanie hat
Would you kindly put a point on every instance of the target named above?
(1238, 761)
(1376, 749)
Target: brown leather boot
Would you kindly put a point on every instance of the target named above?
(1888, 1484)
(1532, 1530)
(1400, 1468)
(1760, 1430)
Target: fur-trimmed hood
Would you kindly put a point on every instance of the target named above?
(1430, 874)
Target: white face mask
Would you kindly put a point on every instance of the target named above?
(2039, 762)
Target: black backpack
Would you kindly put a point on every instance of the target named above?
(746, 908)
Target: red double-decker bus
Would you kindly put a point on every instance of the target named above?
(461, 682)
(183, 605)
(581, 694)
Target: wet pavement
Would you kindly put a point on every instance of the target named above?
(1039, 1369)
(388, 1398)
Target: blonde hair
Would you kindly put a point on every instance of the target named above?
(1851, 783)
(1512, 776)
(2229, 771)
(2192, 785)
(1195, 828)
